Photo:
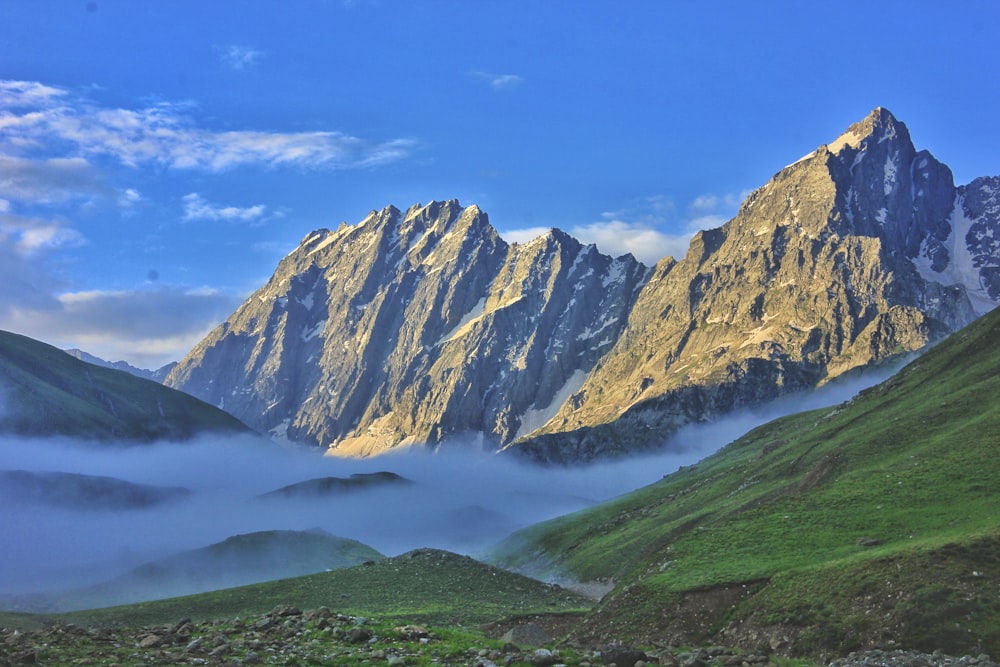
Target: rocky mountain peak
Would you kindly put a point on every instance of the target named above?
(877, 127)
(415, 326)
(843, 260)
(425, 325)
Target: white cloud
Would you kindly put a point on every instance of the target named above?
(524, 235)
(28, 236)
(48, 236)
(47, 181)
(163, 135)
(648, 227)
(239, 57)
(500, 81)
(617, 237)
(148, 327)
(196, 208)
(725, 204)
(129, 198)
(27, 94)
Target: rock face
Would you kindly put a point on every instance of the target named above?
(415, 327)
(859, 251)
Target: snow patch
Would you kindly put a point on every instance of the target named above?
(465, 324)
(324, 243)
(591, 333)
(616, 273)
(534, 419)
(846, 139)
(801, 159)
(890, 173)
(961, 268)
(307, 336)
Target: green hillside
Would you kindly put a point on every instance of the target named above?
(46, 392)
(874, 523)
(236, 561)
(425, 586)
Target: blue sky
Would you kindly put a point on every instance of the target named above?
(158, 158)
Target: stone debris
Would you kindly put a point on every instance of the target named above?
(287, 635)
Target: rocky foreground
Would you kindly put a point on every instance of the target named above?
(289, 636)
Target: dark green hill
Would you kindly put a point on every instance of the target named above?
(331, 486)
(236, 561)
(46, 392)
(81, 492)
(874, 523)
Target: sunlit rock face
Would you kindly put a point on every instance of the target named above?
(860, 251)
(422, 326)
(413, 327)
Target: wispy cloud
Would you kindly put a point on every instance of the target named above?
(17, 94)
(239, 57)
(645, 243)
(47, 181)
(165, 135)
(150, 327)
(500, 81)
(650, 228)
(28, 236)
(197, 208)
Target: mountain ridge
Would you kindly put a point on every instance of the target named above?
(45, 392)
(436, 329)
(428, 326)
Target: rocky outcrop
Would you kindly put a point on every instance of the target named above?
(412, 328)
(860, 251)
(422, 326)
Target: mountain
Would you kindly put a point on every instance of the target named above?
(423, 326)
(157, 376)
(82, 492)
(45, 392)
(414, 327)
(873, 523)
(860, 251)
(236, 561)
(336, 486)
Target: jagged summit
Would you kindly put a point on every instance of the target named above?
(880, 125)
(425, 325)
(855, 253)
(415, 327)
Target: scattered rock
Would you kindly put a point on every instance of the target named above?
(527, 634)
(358, 635)
(543, 658)
(622, 656)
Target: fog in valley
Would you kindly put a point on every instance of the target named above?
(458, 498)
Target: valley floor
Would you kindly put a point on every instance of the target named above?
(289, 636)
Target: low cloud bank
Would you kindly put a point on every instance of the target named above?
(460, 499)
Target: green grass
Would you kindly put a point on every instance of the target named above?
(49, 392)
(425, 586)
(911, 463)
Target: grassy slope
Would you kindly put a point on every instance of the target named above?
(236, 561)
(426, 586)
(911, 463)
(48, 392)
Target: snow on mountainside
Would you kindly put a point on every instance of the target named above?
(422, 326)
(414, 327)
